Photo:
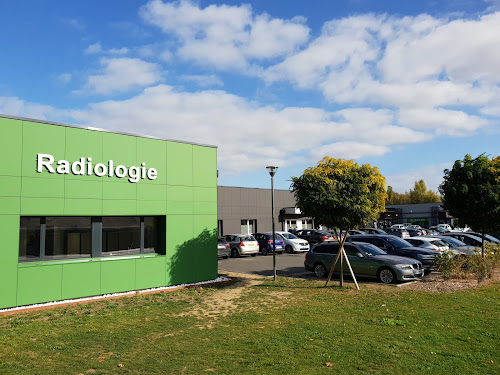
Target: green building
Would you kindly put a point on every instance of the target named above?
(86, 212)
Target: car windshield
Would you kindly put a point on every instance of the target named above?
(454, 241)
(371, 250)
(247, 238)
(289, 236)
(397, 242)
(438, 243)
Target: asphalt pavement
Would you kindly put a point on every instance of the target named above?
(286, 265)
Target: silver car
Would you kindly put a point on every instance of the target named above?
(428, 243)
(294, 244)
(242, 244)
(366, 260)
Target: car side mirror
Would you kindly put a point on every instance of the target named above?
(359, 255)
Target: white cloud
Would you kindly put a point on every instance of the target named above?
(442, 121)
(250, 135)
(225, 37)
(431, 174)
(14, 106)
(122, 75)
(118, 51)
(435, 69)
(93, 49)
(64, 78)
(204, 81)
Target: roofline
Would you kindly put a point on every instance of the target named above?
(102, 130)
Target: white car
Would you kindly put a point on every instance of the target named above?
(242, 244)
(428, 243)
(398, 226)
(294, 244)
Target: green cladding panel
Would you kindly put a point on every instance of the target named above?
(183, 195)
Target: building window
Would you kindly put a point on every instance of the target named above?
(29, 239)
(248, 226)
(121, 235)
(67, 237)
(59, 237)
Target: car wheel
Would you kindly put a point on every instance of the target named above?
(235, 253)
(264, 251)
(319, 270)
(387, 276)
(289, 249)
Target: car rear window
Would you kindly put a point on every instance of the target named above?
(247, 238)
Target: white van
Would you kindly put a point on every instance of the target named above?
(398, 226)
(443, 228)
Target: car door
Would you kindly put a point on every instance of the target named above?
(361, 266)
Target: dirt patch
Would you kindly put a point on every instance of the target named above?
(435, 283)
(226, 301)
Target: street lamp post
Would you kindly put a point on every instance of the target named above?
(272, 171)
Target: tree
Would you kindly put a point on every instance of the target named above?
(471, 193)
(420, 194)
(340, 194)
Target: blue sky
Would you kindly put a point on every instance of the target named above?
(406, 86)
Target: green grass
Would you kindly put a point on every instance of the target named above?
(292, 326)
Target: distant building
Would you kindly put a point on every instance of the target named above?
(248, 210)
(423, 214)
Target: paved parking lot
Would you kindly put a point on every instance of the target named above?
(286, 265)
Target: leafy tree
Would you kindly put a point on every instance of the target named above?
(340, 194)
(419, 194)
(471, 193)
(396, 198)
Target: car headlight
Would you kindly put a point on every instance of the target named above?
(404, 266)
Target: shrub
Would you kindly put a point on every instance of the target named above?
(460, 267)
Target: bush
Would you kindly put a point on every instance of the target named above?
(463, 266)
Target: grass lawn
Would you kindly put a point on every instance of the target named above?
(293, 326)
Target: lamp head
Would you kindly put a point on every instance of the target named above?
(272, 170)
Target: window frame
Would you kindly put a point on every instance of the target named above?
(96, 230)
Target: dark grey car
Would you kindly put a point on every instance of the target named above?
(366, 261)
(396, 246)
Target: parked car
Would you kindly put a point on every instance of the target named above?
(294, 244)
(467, 238)
(266, 243)
(398, 226)
(457, 247)
(242, 244)
(366, 260)
(372, 230)
(442, 228)
(400, 232)
(487, 237)
(428, 243)
(314, 236)
(355, 231)
(415, 232)
(223, 249)
(396, 246)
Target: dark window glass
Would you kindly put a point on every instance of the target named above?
(67, 237)
(150, 234)
(29, 239)
(350, 250)
(327, 249)
(121, 235)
